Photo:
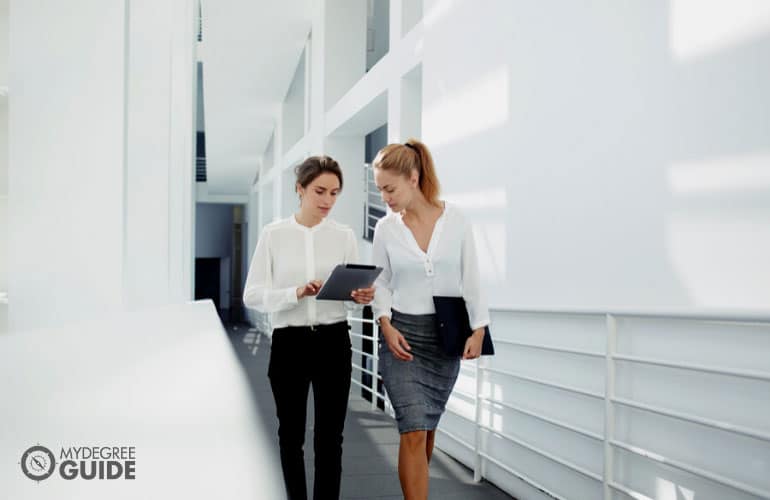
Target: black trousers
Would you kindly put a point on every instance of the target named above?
(301, 357)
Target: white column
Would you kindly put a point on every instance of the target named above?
(101, 157)
(66, 166)
(394, 111)
(183, 105)
(349, 153)
(344, 47)
(396, 20)
(160, 153)
(317, 79)
(3, 164)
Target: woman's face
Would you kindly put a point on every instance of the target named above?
(317, 199)
(396, 190)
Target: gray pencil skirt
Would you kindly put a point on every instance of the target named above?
(418, 389)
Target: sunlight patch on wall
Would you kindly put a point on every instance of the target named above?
(491, 246)
(737, 173)
(698, 28)
(721, 259)
(477, 107)
(487, 209)
(718, 235)
(439, 10)
(489, 198)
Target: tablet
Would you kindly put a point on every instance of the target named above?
(345, 278)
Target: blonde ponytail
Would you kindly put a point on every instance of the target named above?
(412, 155)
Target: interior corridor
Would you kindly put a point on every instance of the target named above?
(370, 449)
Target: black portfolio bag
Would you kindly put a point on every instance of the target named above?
(454, 327)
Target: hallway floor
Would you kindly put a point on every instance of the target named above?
(370, 450)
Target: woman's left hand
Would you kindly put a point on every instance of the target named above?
(363, 295)
(473, 344)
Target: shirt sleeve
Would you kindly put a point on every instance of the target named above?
(258, 292)
(478, 312)
(351, 257)
(383, 295)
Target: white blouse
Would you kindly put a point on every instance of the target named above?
(411, 277)
(288, 255)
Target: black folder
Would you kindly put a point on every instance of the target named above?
(454, 327)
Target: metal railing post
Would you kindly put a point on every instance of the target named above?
(375, 363)
(477, 473)
(609, 394)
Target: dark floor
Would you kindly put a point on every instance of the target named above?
(370, 455)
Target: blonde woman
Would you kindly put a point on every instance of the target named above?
(426, 249)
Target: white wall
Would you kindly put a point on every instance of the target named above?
(349, 153)
(3, 149)
(293, 107)
(4, 265)
(252, 230)
(160, 148)
(4, 26)
(609, 157)
(344, 47)
(82, 235)
(267, 209)
(252, 214)
(269, 155)
(3, 167)
(66, 190)
(411, 104)
(200, 118)
(289, 198)
(608, 169)
(378, 21)
(411, 14)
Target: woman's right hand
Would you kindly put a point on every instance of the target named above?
(309, 289)
(396, 342)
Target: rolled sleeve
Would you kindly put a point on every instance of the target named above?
(383, 296)
(475, 301)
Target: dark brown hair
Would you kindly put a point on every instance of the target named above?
(407, 157)
(312, 167)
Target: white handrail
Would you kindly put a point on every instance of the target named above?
(552, 421)
(698, 314)
(373, 388)
(612, 327)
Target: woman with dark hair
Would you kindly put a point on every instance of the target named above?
(426, 248)
(310, 344)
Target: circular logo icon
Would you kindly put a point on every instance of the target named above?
(38, 463)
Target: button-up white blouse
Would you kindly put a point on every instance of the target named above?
(288, 255)
(411, 277)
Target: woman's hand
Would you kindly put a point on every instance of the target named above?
(309, 289)
(363, 295)
(396, 342)
(473, 344)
